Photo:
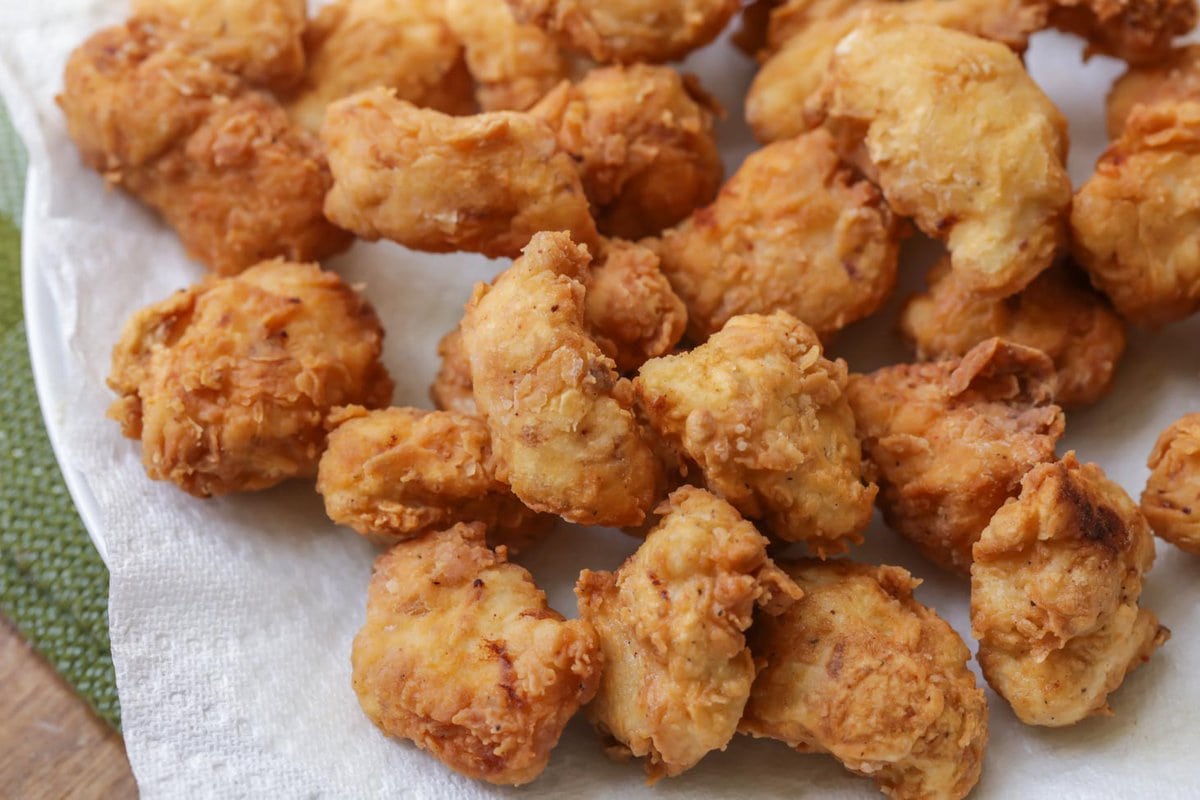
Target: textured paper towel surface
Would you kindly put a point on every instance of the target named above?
(232, 618)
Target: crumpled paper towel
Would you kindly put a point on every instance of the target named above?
(232, 618)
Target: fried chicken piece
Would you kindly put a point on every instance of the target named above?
(1054, 594)
(795, 230)
(1137, 31)
(628, 31)
(960, 138)
(951, 440)
(643, 139)
(751, 34)
(1171, 500)
(228, 383)
(862, 671)
(1134, 221)
(221, 163)
(1175, 78)
(563, 430)
(403, 45)
(1059, 314)
(671, 623)
(452, 389)
(765, 417)
(433, 182)
(461, 655)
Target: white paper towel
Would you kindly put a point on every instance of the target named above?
(232, 618)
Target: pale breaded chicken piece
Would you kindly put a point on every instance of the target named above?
(451, 389)
(629, 31)
(1176, 77)
(228, 383)
(1059, 314)
(958, 137)
(563, 430)
(1054, 594)
(485, 183)
(862, 671)
(1134, 221)
(671, 623)
(796, 230)
(1137, 31)
(765, 417)
(403, 45)
(398, 473)
(220, 162)
(461, 655)
(950, 441)
(643, 139)
(1171, 500)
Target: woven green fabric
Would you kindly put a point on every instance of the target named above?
(53, 585)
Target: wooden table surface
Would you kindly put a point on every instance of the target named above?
(51, 744)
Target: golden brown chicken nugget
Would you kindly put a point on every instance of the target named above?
(228, 383)
(1176, 77)
(765, 417)
(672, 623)
(452, 389)
(1054, 594)
(461, 655)
(862, 671)
(1171, 500)
(1138, 31)
(950, 441)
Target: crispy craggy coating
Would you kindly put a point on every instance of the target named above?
(1059, 314)
(764, 415)
(951, 440)
(628, 31)
(1176, 77)
(452, 389)
(1054, 594)
(461, 655)
(1134, 221)
(228, 383)
(796, 230)
(433, 182)
(644, 142)
(960, 138)
(1138, 31)
(561, 419)
(1171, 500)
(671, 623)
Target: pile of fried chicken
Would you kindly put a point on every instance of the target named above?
(653, 360)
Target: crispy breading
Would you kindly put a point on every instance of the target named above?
(1176, 77)
(671, 623)
(461, 655)
(1054, 594)
(950, 441)
(228, 383)
(1138, 31)
(451, 389)
(1171, 500)
(1059, 314)
(862, 671)
(765, 417)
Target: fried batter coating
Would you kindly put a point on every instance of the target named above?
(862, 671)
(960, 138)
(765, 417)
(794, 230)
(1054, 594)
(671, 623)
(1171, 500)
(644, 142)
(628, 31)
(461, 655)
(1176, 77)
(1059, 314)
(1138, 31)
(952, 439)
(452, 389)
(1134, 221)
(221, 163)
(561, 419)
(438, 183)
(228, 383)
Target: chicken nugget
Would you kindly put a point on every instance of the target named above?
(452, 389)
(1171, 500)
(671, 623)
(228, 383)
(1176, 77)
(1138, 31)
(796, 230)
(950, 441)
(433, 182)
(461, 655)
(862, 671)
(765, 417)
(1054, 594)
(1059, 314)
